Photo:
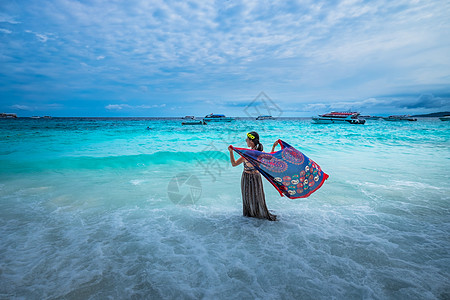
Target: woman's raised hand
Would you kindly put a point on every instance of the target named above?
(274, 145)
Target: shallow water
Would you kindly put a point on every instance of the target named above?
(88, 209)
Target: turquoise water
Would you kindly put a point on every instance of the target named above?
(88, 209)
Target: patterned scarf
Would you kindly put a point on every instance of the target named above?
(288, 170)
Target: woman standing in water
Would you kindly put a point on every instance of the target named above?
(253, 198)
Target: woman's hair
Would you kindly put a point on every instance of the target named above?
(254, 137)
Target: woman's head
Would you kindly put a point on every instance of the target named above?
(253, 141)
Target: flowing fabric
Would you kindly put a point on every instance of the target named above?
(292, 173)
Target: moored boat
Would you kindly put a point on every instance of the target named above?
(339, 118)
(217, 118)
(265, 118)
(370, 117)
(400, 118)
(445, 118)
(200, 122)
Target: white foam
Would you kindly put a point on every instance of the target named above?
(137, 181)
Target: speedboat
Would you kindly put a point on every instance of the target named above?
(339, 118)
(400, 118)
(265, 118)
(445, 118)
(188, 117)
(217, 118)
(200, 122)
(370, 117)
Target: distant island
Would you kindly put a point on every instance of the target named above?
(437, 114)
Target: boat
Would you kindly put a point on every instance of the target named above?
(400, 118)
(35, 117)
(265, 118)
(370, 117)
(339, 118)
(445, 118)
(217, 118)
(8, 116)
(200, 122)
(188, 118)
(47, 117)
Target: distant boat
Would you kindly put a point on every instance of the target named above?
(370, 117)
(47, 117)
(400, 118)
(217, 118)
(339, 118)
(445, 118)
(35, 117)
(188, 117)
(8, 116)
(265, 118)
(200, 122)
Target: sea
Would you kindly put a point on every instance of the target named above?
(145, 208)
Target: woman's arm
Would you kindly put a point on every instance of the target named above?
(274, 145)
(234, 162)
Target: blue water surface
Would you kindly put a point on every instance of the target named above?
(89, 209)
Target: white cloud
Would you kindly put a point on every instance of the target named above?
(116, 106)
(150, 106)
(348, 105)
(204, 35)
(22, 107)
(127, 106)
(4, 18)
(5, 31)
(41, 37)
(39, 107)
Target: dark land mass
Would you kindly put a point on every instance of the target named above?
(437, 114)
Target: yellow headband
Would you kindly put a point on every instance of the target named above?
(251, 136)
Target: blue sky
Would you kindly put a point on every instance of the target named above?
(170, 58)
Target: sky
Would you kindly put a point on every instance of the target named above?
(175, 58)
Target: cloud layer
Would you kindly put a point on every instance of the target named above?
(304, 54)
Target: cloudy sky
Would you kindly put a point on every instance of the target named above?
(170, 58)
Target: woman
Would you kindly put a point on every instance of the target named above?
(253, 199)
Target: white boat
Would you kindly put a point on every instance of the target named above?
(370, 117)
(188, 118)
(217, 118)
(400, 118)
(199, 122)
(339, 118)
(265, 118)
(445, 118)
(35, 117)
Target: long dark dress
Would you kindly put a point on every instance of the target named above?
(253, 198)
